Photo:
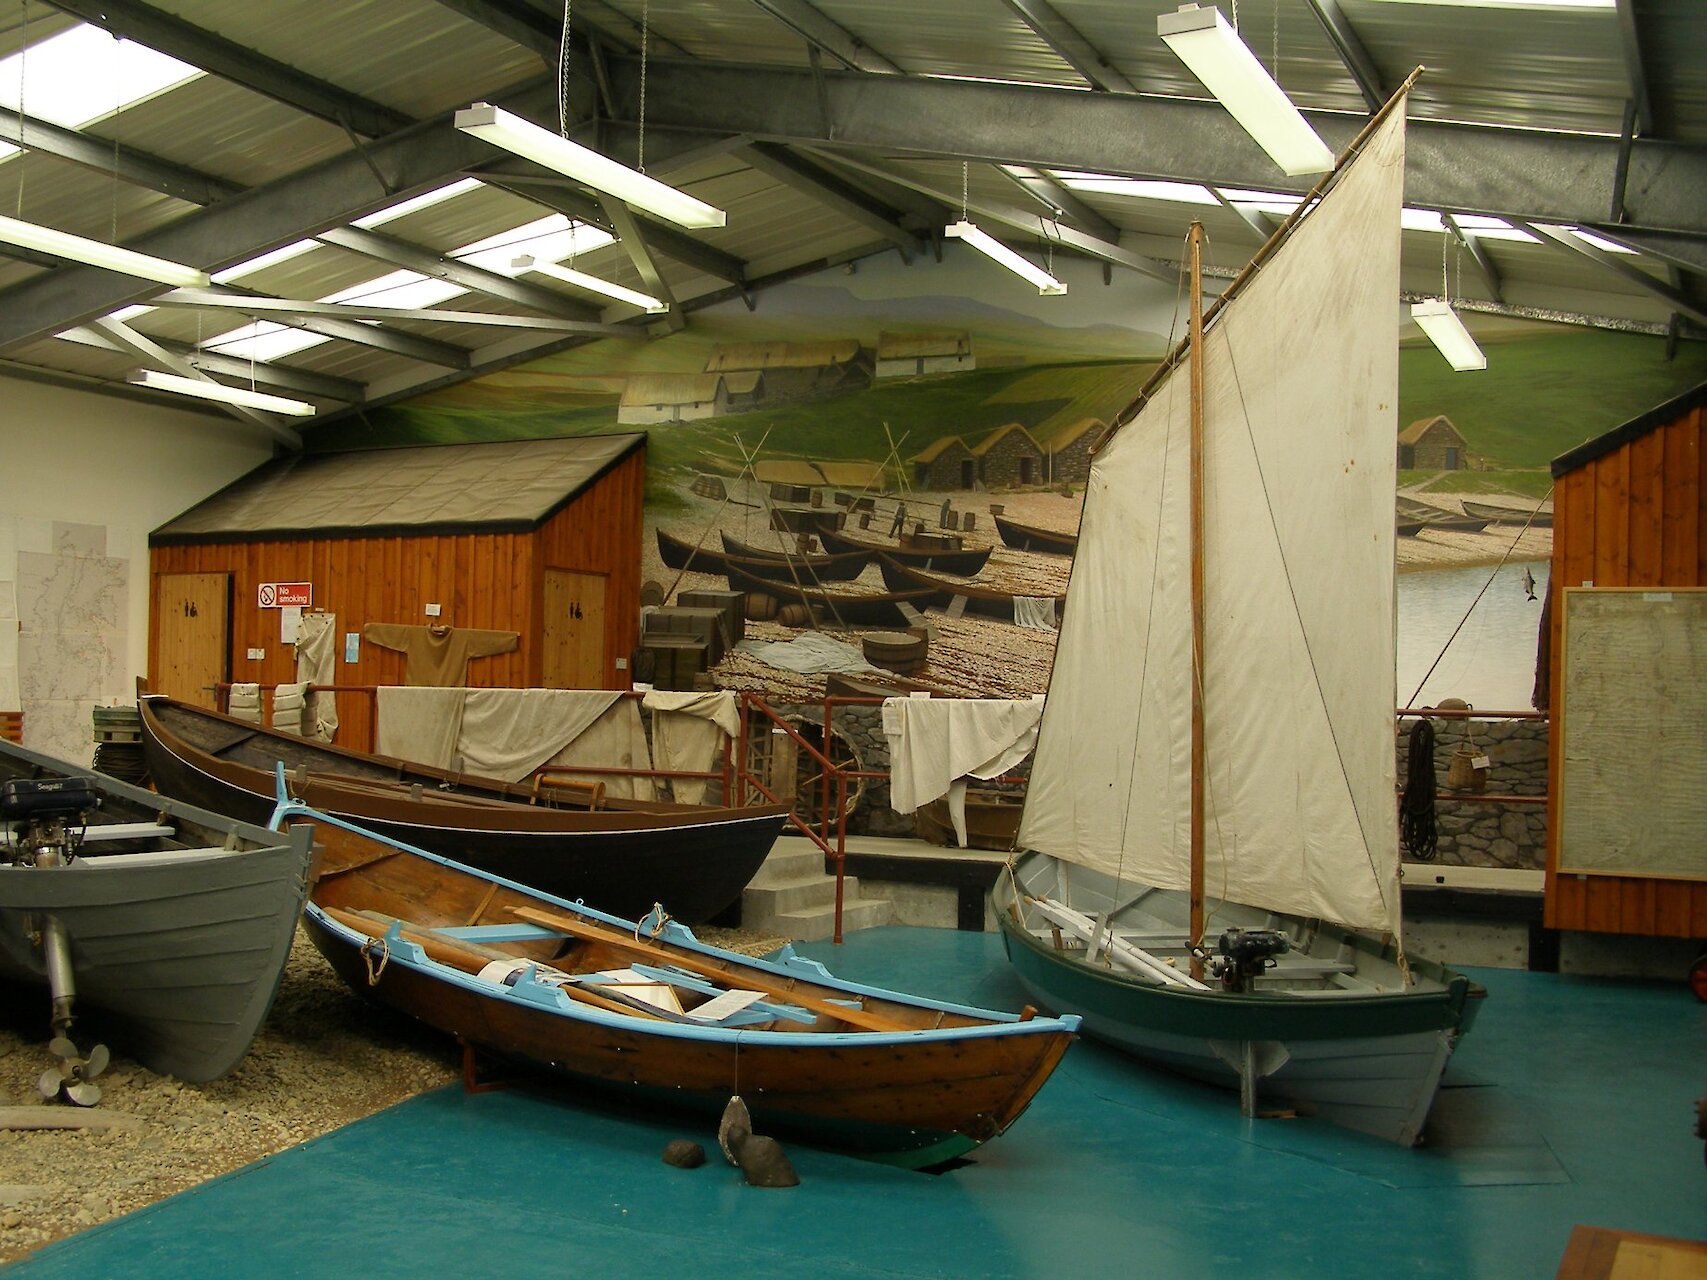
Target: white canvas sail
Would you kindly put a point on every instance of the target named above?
(1300, 416)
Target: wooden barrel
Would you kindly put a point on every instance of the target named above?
(794, 615)
(760, 607)
(896, 651)
(651, 592)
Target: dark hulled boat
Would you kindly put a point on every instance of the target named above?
(677, 554)
(621, 854)
(967, 560)
(1025, 537)
(988, 602)
(833, 607)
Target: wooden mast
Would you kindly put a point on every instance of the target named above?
(1195, 241)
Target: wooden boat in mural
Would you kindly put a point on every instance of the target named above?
(832, 607)
(571, 841)
(967, 560)
(1425, 515)
(1158, 802)
(1025, 537)
(678, 554)
(1497, 513)
(988, 602)
(840, 566)
(645, 1009)
(166, 926)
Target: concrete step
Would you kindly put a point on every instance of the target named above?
(795, 894)
(814, 923)
(789, 861)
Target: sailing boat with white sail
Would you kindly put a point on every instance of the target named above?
(1215, 768)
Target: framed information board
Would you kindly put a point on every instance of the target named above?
(1633, 777)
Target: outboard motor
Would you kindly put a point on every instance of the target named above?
(1245, 954)
(46, 820)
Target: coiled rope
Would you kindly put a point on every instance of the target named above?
(1417, 829)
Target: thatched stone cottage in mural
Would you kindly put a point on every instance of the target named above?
(1432, 444)
(1008, 458)
(946, 464)
(795, 371)
(1069, 450)
(684, 397)
(911, 355)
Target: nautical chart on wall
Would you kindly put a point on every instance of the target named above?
(1633, 754)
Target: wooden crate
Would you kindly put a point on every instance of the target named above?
(12, 726)
(732, 604)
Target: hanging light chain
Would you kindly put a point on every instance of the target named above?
(563, 72)
(645, 32)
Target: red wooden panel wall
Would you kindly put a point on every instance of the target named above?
(1629, 518)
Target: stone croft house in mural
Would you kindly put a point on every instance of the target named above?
(683, 397)
(796, 371)
(1069, 450)
(1432, 444)
(946, 464)
(1008, 457)
(911, 355)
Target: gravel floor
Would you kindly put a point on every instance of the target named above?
(323, 1058)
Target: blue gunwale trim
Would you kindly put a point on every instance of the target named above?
(413, 956)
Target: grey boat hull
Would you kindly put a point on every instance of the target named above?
(178, 942)
(1335, 1032)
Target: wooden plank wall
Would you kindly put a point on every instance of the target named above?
(489, 581)
(1629, 518)
(600, 532)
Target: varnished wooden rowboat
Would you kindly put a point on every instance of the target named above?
(647, 1010)
(1025, 537)
(832, 607)
(988, 602)
(621, 854)
(967, 560)
(677, 554)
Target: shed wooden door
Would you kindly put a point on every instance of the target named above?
(574, 639)
(193, 637)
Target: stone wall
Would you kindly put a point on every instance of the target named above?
(1482, 833)
(1471, 833)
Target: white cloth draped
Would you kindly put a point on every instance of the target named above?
(935, 744)
(317, 663)
(689, 732)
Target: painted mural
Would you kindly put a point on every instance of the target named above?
(946, 413)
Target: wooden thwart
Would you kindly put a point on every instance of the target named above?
(753, 978)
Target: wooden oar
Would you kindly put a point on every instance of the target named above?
(751, 978)
(458, 954)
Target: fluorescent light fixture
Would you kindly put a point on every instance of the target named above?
(98, 253)
(994, 249)
(1209, 46)
(581, 280)
(219, 391)
(511, 132)
(1440, 322)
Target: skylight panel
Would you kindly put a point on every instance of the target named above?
(270, 259)
(1137, 188)
(1599, 243)
(264, 340)
(1486, 227)
(549, 239)
(1513, 4)
(1262, 201)
(409, 289)
(83, 75)
(426, 200)
(1421, 220)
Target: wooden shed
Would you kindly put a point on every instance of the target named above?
(1432, 444)
(536, 537)
(1627, 679)
(1009, 457)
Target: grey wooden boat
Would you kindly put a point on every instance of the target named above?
(165, 925)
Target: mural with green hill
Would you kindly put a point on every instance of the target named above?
(1035, 362)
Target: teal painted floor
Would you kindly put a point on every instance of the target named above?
(1572, 1102)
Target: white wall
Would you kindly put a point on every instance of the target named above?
(83, 479)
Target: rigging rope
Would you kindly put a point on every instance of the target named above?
(1417, 830)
